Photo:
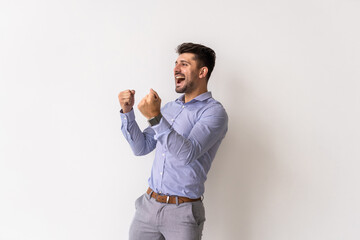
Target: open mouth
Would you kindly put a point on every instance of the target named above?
(179, 78)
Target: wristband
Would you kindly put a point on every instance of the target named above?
(155, 120)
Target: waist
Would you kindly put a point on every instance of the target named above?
(170, 199)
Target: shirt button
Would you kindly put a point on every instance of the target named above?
(163, 154)
(161, 173)
(172, 120)
(183, 106)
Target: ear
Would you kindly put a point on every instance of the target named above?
(203, 72)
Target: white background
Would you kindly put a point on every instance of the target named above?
(287, 73)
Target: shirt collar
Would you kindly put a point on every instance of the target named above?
(202, 97)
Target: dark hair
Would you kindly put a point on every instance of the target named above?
(205, 56)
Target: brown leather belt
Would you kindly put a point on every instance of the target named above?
(170, 199)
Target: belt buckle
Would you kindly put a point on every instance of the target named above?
(167, 199)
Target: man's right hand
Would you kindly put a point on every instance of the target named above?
(127, 100)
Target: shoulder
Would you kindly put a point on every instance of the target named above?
(214, 107)
(214, 116)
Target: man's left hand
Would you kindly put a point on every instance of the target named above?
(149, 106)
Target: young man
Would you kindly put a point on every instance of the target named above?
(186, 134)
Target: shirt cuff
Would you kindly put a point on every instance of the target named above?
(127, 117)
(162, 128)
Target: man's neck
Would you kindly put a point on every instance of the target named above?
(190, 96)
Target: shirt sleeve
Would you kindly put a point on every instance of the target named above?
(207, 131)
(141, 142)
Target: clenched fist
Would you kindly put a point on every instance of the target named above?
(149, 106)
(127, 100)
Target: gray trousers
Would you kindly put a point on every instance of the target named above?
(159, 221)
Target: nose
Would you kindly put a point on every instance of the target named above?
(177, 68)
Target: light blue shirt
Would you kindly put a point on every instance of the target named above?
(186, 141)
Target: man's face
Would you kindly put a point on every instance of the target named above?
(186, 73)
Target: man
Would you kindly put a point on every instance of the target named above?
(186, 134)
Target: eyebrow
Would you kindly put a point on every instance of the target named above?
(183, 61)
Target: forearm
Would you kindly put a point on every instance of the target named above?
(207, 131)
(140, 142)
(185, 149)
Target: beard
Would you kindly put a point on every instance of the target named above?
(186, 88)
(180, 90)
